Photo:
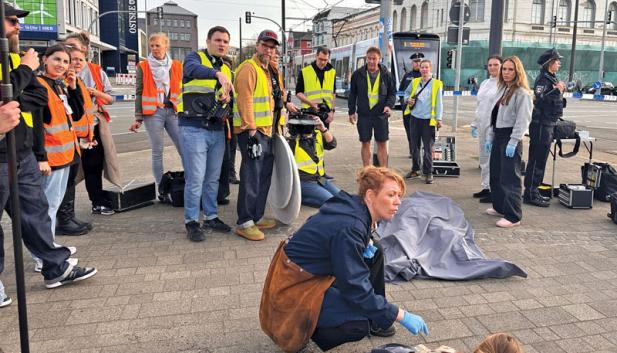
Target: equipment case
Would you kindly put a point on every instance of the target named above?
(576, 195)
(444, 157)
(132, 196)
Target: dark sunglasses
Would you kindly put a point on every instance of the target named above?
(13, 21)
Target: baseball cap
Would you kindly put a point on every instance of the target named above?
(11, 11)
(268, 35)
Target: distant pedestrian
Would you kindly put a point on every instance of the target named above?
(548, 108)
(509, 120)
(372, 97)
(405, 82)
(488, 94)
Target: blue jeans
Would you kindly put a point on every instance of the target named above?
(202, 158)
(164, 119)
(55, 186)
(315, 195)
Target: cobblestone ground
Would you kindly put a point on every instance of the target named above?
(158, 292)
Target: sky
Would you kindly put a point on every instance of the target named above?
(226, 13)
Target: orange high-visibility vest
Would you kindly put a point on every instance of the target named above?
(149, 97)
(84, 127)
(60, 138)
(95, 71)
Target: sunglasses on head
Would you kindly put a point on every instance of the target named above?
(13, 21)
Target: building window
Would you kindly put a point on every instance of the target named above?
(537, 12)
(412, 17)
(403, 20)
(84, 15)
(477, 10)
(188, 24)
(155, 21)
(70, 12)
(181, 23)
(589, 14)
(78, 14)
(563, 12)
(74, 15)
(442, 17)
(176, 23)
(424, 16)
(613, 13)
(97, 24)
(394, 21)
(505, 10)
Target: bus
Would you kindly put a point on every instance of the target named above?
(348, 58)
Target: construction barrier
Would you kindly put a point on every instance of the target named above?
(575, 95)
(126, 79)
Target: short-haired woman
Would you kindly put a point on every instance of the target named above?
(326, 281)
(510, 118)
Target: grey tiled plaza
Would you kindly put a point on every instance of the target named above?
(158, 292)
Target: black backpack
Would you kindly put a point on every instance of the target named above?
(171, 188)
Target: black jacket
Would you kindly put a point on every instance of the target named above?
(358, 95)
(548, 101)
(332, 242)
(32, 97)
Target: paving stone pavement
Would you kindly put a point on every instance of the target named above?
(158, 292)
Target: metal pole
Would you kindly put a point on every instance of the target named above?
(6, 91)
(601, 69)
(459, 58)
(551, 33)
(496, 32)
(284, 53)
(385, 17)
(240, 54)
(573, 51)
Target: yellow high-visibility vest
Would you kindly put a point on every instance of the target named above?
(262, 112)
(314, 90)
(15, 62)
(305, 162)
(373, 92)
(437, 84)
(199, 85)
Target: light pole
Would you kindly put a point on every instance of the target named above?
(601, 69)
(573, 51)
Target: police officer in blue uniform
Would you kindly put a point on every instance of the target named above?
(405, 82)
(548, 107)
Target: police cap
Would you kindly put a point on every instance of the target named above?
(416, 56)
(547, 56)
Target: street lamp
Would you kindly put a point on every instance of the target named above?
(573, 51)
(601, 69)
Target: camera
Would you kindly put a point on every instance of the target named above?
(301, 124)
(209, 108)
(322, 111)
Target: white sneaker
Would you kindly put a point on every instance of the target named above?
(504, 223)
(38, 265)
(72, 249)
(5, 300)
(491, 212)
(72, 261)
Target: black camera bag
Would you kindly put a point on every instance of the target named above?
(566, 129)
(606, 180)
(171, 188)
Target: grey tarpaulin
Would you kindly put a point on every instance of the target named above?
(430, 238)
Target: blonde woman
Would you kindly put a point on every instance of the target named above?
(510, 118)
(159, 82)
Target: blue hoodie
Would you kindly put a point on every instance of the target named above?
(331, 242)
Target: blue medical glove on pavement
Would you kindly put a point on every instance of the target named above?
(370, 251)
(414, 323)
(488, 146)
(510, 149)
(474, 132)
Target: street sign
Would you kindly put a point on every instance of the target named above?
(455, 12)
(597, 84)
(453, 35)
(159, 12)
(247, 17)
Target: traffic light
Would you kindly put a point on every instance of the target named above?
(247, 17)
(451, 59)
(159, 12)
(554, 22)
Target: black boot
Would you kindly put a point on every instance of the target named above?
(66, 223)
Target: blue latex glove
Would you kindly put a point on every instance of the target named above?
(474, 132)
(488, 146)
(414, 323)
(510, 149)
(370, 251)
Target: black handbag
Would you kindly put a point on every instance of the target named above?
(566, 129)
(171, 188)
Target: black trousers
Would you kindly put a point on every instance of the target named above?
(225, 173)
(66, 211)
(93, 161)
(422, 133)
(407, 124)
(329, 337)
(255, 179)
(35, 222)
(540, 140)
(233, 146)
(506, 177)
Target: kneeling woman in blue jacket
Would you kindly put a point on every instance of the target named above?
(326, 281)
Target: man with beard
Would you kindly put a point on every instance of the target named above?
(253, 121)
(58, 269)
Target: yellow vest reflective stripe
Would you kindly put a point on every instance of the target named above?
(304, 162)
(437, 84)
(199, 85)
(262, 112)
(373, 92)
(15, 62)
(313, 90)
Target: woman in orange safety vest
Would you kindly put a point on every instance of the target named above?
(159, 82)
